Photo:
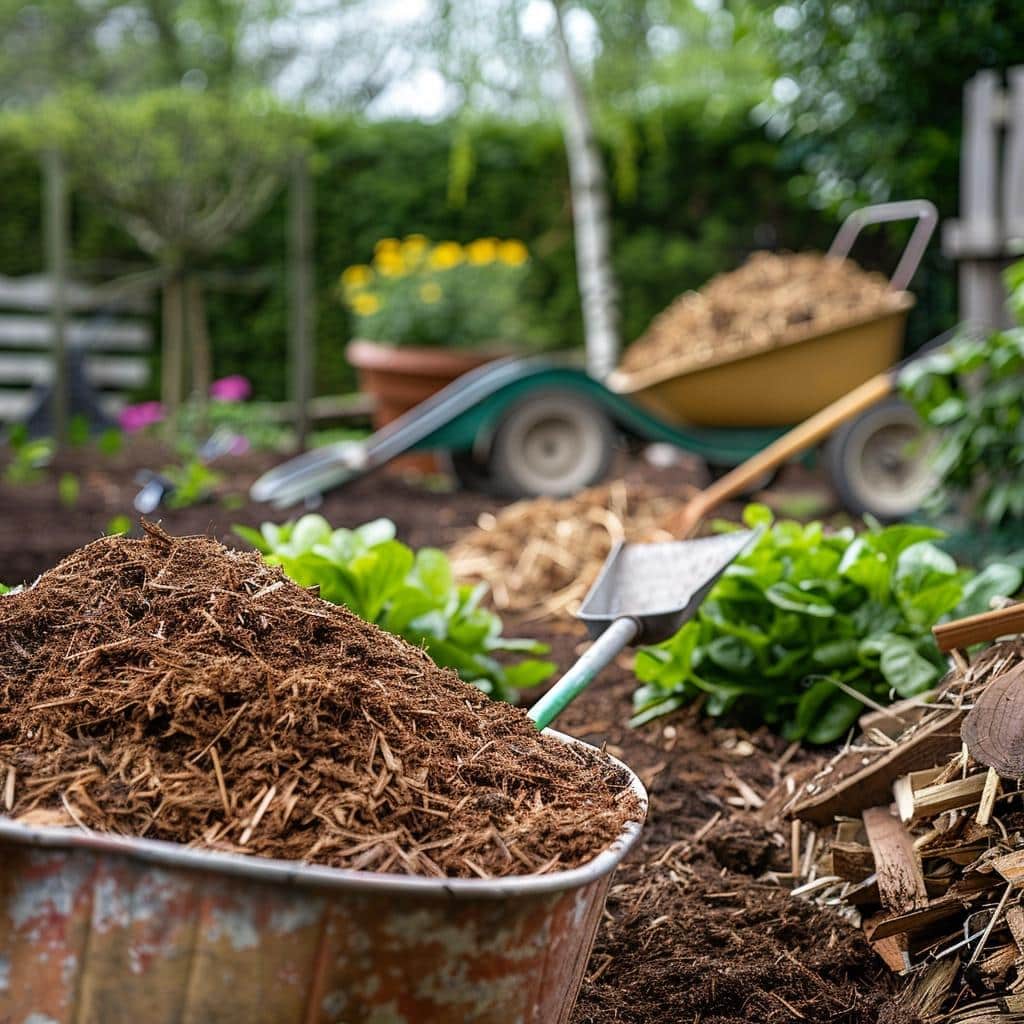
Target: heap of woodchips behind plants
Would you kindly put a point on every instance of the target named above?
(177, 690)
(774, 298)
(540, 556)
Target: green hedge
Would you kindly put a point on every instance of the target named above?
(700, 196)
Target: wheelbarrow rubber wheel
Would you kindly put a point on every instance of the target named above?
(551, 443)
(879, 463)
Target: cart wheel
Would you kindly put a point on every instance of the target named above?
(554, 443)
(880, 463)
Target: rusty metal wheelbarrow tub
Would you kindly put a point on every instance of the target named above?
(101, 929)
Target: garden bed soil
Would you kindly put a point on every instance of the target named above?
(693, 933)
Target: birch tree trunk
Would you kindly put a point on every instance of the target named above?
(599, 296)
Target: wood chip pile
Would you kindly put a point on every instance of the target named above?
(539, 557)
(174, 689)
(773, 299)
(926, 847)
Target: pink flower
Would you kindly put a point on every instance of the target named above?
(235, 388)
(137, 417)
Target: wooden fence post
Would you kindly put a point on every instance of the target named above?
(55, 219)
(301, 303)
(989, 233)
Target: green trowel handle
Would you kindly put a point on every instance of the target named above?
(604, 649)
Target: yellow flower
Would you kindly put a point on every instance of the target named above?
(365, 303)
(482, 251)
(389, 262)
(430, 292)
(357, 276)
(445, 255)
(387, 245)
(414, 246)
(513, 253)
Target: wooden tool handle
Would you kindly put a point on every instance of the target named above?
(976, 629)
(797, 440)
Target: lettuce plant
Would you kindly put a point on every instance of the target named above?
(411, 594)
(809, 627)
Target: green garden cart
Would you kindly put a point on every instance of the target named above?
(543, 426)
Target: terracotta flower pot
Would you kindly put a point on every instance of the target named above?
(400, 377)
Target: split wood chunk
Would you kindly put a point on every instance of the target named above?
(1010, 866)
(893, 952)
(932, 743)
(976, 629)
(947, 796)
(921, 918)
(1015, 922)
(994, 728)
(852, 861)
(900, 879)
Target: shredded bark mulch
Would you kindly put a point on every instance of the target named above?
(174, 689)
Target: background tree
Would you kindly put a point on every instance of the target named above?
(183, 173)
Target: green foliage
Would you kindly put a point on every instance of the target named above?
(110, 442)
(972, 392)
(411, 594)
(708, 190)
(446, 294)
(193, 482)
(4, 590)
(69, 488)
(806, 620)
(869, 104)
(183, 172)
(28, 457)
(119, 525)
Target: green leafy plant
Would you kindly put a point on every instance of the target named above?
(411, 594)
(118, 525)
(4, 590)
(972, 392)
(69, 489)
(29, 457)
(193, 482)
(110, 442)
(808, 627)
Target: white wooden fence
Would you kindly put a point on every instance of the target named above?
(990, 231)
(113, 334)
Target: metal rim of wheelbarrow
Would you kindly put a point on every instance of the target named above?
(263, 869)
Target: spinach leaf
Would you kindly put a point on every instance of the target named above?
(805, 608)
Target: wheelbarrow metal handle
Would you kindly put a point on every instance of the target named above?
(921, 210)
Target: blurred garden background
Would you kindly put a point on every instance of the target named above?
(725, 127)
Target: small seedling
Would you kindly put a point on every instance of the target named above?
(110, 442)
(79, 431)
(193, 482)
(68, 489)
(118, 525)
(29, 458)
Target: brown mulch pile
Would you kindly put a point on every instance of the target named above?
(772, 299)
(540, 556)
(173, 689)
